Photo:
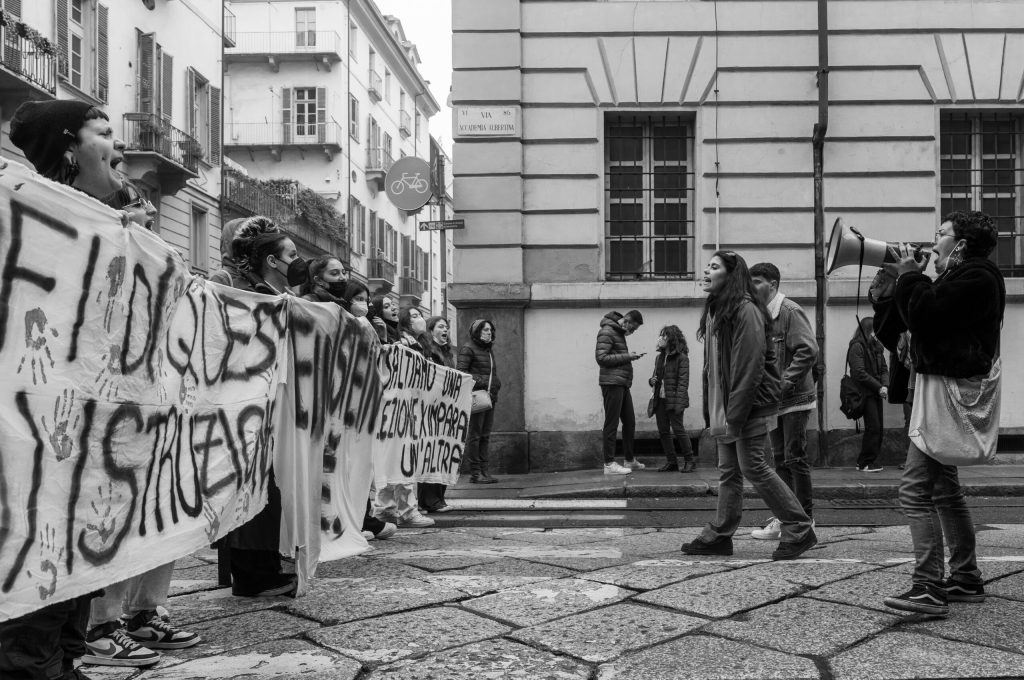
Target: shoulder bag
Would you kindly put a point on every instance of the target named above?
(482, 398)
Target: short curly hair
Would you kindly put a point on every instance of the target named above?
(977, 230)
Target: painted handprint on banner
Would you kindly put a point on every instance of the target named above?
(101, 524)
(108, 381)
(60, 436)
(115, 275)
(212, 522)
(38, 354)
(51, 552)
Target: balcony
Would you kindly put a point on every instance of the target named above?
(411, 289)
(404, 123)
(378, 162)
(326, 138)
(376, 88)
(229, 28)
(380, 272)
(152, 144)
(247, 196)
(323, 47)
(28, 68)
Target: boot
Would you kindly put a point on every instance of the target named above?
(689, 465)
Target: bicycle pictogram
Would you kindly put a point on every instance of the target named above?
(411, 180)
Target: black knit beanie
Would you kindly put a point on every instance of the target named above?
(45, 130)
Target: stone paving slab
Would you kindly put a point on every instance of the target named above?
(655, 573)
(724, 594)
(898, 655)
(648, 545)
(491, 577)
(1011, 587)
(409, 634)
(811, 572)
(192, 561)
(487, 659)
(866, 590)
(1001, 537)
(193, 580)
(533, 604)
(703, 657)
(605, 634)
(109, 672)
(876, 552)
(995, 623)
(214, 604)
(338, 600)
(431, 561)
(992, 567)
(572, 536)
(583, 563)
(366, 567)
(804, 626)
(283, 659)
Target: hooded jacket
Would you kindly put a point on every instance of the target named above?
(612, 353)
(867, 365)
(954, 321)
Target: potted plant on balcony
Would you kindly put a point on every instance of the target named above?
(192, 152)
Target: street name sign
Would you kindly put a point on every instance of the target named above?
(487, 121)
(441, 225)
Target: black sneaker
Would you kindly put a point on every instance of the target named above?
(958, 591)
(790, 550)
(281, 584)
(698, 546)
(921, 599)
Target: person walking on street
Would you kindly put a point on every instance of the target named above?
(866, 358)
(477, 358)
(741, 402)
(615, 378)
(796, 350)
(671, 383)
(954, 323)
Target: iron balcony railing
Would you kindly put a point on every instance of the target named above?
(230, 36)
(23, 57)
(405, 123)
(149, 132)
(280, 134)
(287, 42)
(376, 89)
(410, 286)
(248, 196)
(377, 160)
(379, 268)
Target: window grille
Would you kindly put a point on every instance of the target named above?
(649, 189)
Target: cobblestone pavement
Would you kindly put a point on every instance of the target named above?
(601, 603)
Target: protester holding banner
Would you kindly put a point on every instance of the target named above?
(476, 358)
(326, 280)
(384, 316)
(431, 495)
(412, 329)
(70, 142)
(228, 271)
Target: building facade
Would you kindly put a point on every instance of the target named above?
(328, 94)
(636, 138)
(155, 69)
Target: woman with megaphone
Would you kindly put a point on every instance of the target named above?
(954, 323)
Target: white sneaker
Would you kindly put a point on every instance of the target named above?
(634, 465)
(415, 519)
(771, 532)
(613, 468)
(387, 532)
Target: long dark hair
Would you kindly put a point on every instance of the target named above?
(316, 268)
(353, 289)
(675, 341)
(724, 304)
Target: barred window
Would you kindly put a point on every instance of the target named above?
(980, 169)
(649, 180)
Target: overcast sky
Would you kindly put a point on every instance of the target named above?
(428, 24)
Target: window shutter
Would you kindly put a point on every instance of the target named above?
(167, 85)
(286, 115)
(13, 7)
(11, 49)
(61, 12)
(215, 130)
(190, 102)
(147, 82)
(102, 53)
(321, 114)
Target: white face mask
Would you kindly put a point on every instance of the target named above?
(359, 309)
(419, 325)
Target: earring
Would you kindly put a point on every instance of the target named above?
(956, 257)
(70, 170)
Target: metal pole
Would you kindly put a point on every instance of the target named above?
(820, 283)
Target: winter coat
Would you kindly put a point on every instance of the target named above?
(673, 371)
(795, 353)
(612, 354)
(409, 340)
(477, 360)
(442, 355)
(954, 321)
(867, 365)
(319, 294)
(750, 383)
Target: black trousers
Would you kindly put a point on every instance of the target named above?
(431, 496)
(618, 406)
(43, 645)
(871, 445)
(673, 421)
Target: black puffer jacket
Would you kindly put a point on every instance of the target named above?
(477, 360)
(673, 370)
(954, 321)
(612, 354)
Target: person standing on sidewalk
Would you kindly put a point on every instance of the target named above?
(671, 383)
(615, 379)
(866, 358)
(954, 323)
(477, 359)
(741, 401)
(795, 353)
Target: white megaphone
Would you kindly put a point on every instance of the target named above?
(848, 246)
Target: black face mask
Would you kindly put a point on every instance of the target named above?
(336, 288)
(298, 272)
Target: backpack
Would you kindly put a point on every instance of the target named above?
(851, 401)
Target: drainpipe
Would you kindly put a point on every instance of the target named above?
(820, 283)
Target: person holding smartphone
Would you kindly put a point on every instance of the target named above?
(615, 378)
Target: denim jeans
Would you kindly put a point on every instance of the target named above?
(745, 458)
(934, 505)
(44, 644)
(479, 440)
(618, 405)
(137, 594)
(674, 420)
(789, 442)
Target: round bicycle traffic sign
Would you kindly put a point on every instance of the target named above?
(408, 183)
